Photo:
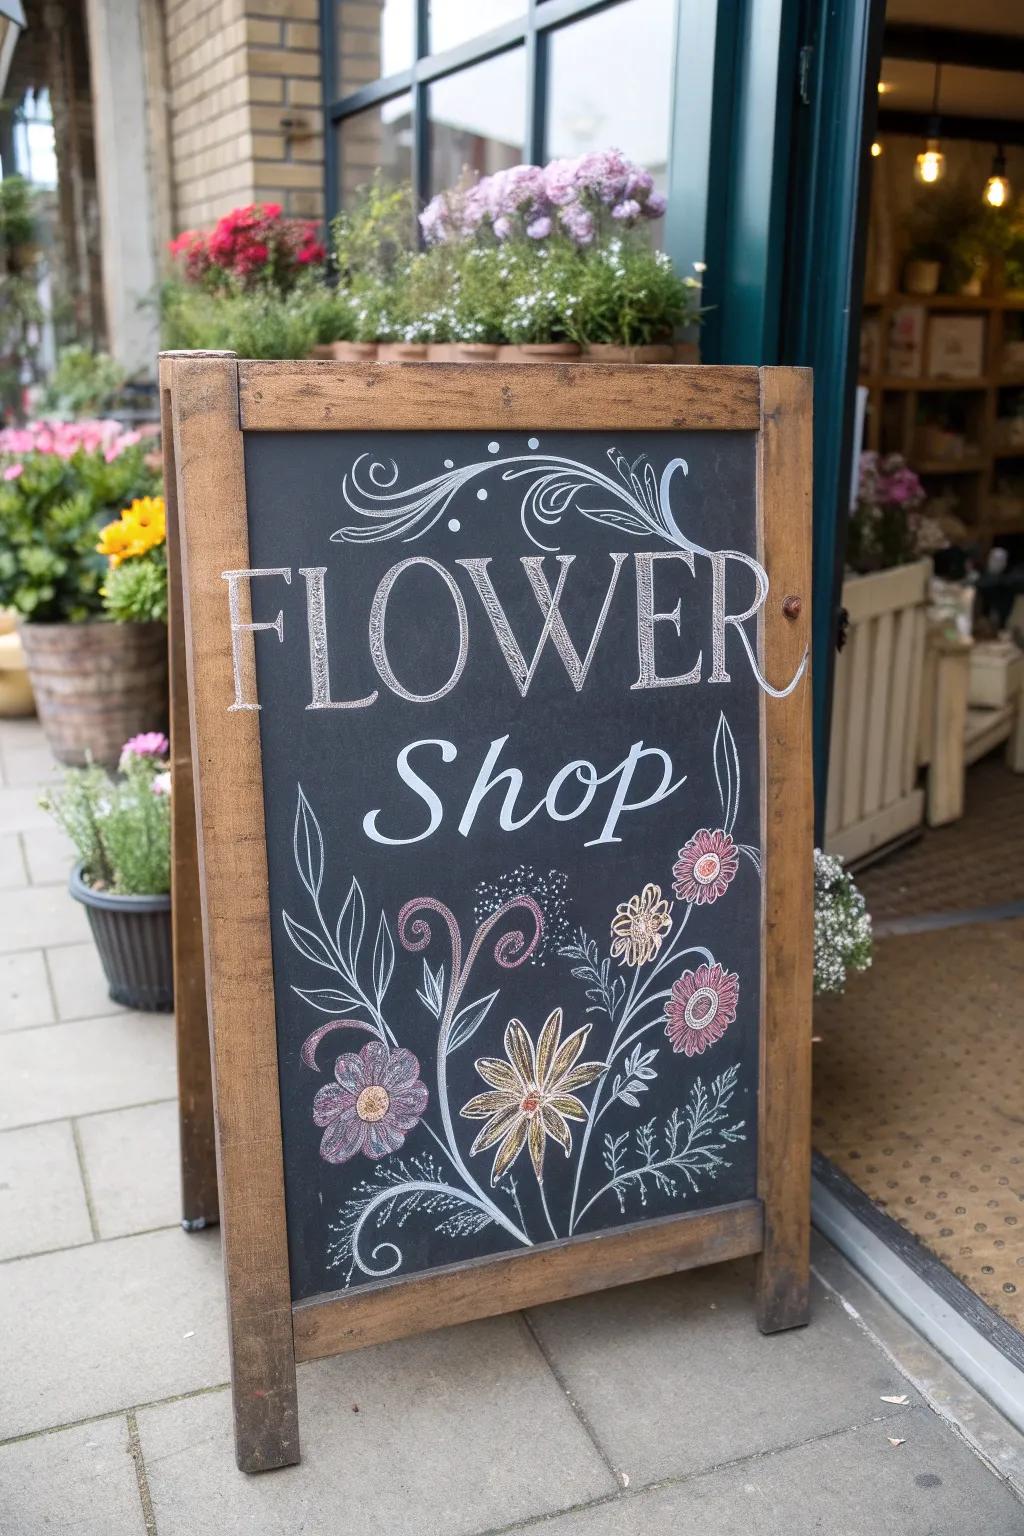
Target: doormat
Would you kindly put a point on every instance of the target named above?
(919, 1096)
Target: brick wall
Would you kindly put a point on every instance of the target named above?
(244, 88)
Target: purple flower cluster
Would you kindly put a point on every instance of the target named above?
(888, 481)
(571, 195)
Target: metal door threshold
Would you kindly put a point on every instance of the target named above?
(986, 1350)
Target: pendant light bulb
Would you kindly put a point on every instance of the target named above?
(997, 188)
(876, 149)
(930, 164)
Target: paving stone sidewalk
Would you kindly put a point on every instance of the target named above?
(655, 1409)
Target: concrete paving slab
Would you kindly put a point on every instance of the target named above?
(13, 873)
(132, 1164)
(40, 915)
(42, 1198)
(79, 985)
(49, 855)
(456, 1432)
(79, 1480)
(64, 1070)
(20, 810)
(703, 1384)
(96, 1329)
(851, 1484)
(25, 997)
(30, 762)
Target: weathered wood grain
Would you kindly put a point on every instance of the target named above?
(236, 927)
(329, 396)
(199, 1205)
(787, 822)
(485, 1287)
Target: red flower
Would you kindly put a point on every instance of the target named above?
(706, 865)
(702, 1006)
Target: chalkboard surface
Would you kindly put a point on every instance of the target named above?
(511, 781)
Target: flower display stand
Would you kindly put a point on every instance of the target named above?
(873, 795)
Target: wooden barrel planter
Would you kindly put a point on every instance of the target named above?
(96, 684)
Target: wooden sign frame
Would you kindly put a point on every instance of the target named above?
(209, 401)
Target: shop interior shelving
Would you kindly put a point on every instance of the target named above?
(895, 403)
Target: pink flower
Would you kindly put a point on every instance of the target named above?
(629, 208)
(13, 471)
(702, 1006)
(146, 744)
(705, 867)
(375, 1101)
(539, 228)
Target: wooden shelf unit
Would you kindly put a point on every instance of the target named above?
(892, 416)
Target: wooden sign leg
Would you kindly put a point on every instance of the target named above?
(784, 1154)
(232, 880)
(199, 1207)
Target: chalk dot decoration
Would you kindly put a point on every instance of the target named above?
(533, 442)
(493, 447)
(481, 495)
(454, 525)
(449, 463)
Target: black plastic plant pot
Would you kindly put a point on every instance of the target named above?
(133, 936)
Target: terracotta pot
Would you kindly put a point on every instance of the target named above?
(133, 937)
(401, 351)
(442, 352)
(539, 352)
(15, 689)
(610, 352)
(687, 352)
(921, 277)
(96, 684)
(972, 288)
(324, 350)
(354, 351)
(473, 352)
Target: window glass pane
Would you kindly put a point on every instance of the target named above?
(477, 119)
(374, 38)
(377, 137)
(610, 85)
(456, 21)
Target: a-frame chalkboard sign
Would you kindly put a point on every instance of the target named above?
(492, 687)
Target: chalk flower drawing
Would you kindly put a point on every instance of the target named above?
(639, 925)
(533, 1093)
(706, 865)
(634, 499)
(372, 1105)
(392, 1116)
(702, 1006)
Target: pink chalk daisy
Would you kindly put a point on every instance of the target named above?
(706, 865)
(702, 1006)
(375, 1101)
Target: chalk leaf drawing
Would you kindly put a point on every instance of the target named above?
(388, 1116)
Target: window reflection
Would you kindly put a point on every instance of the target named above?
(610, 84)
(456, 21)
(477, 119)
(377, 138)
(374, 39)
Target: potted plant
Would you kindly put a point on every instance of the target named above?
(842, 925)
(95, 681)
(121, 830)
(630, 303)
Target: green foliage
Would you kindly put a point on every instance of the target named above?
(630, 296)
(120, 827)
(261, 323)
(136, 590)
(17, 213)
(950, 224)
(20, 310)
(50, 518)
(374, 238)
(84, 383)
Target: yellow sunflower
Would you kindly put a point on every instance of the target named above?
(533, 1094)
(639, 925)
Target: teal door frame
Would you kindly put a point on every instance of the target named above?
(792, 116)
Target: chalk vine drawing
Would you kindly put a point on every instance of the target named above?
(544, 1089)
(635, 500)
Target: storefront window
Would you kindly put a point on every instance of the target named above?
(377, 138)
(373, 41)
(610, 84)
(477, 119)
(457, 21)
